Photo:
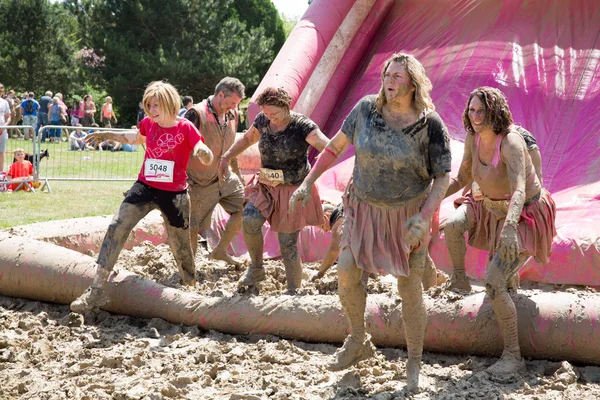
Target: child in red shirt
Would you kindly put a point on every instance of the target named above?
(162, 184)
(20, 169)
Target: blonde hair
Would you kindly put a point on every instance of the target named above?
(19, 149)
(166, 95)
(415, 70)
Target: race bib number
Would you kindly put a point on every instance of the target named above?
(271, 177)
(159, 170)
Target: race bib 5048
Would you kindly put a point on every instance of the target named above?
(159, 170)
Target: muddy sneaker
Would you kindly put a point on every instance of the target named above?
(351, 353)
(253, 275)
(93, 297)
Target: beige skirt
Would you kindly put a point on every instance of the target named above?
(376, 235)
(273, 203)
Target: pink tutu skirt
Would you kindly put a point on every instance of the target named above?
(273, 204)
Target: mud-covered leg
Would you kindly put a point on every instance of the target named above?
(179, 242)
(252, 223)
(414, 317)
(288, 242)
(178, 231)
(429, 273)
(497, 276)
(353, 297)
(454, 231)
(232, 228)
(114, 240)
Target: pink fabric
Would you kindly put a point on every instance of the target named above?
(535, 230)
(173, 144)
(273, 203)
(375, 235)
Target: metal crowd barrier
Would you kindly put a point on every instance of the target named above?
(65, 164)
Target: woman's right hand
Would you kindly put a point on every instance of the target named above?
(303, 194)
(223, 169)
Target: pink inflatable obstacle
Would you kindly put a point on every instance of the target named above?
(543, 55)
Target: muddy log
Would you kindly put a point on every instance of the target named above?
(562, 326)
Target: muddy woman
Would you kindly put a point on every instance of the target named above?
(510, 214)
(162, 183)
(400, 176)
(283, 138)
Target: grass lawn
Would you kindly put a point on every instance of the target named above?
(69, 199)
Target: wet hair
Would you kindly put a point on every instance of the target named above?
(165, 94)
(415, 70)
(277, 97)
(187, 100)
(495, 107)
(229, 86)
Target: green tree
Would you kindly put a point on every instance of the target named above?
(37, 46)
(263, 13)
(190, 43)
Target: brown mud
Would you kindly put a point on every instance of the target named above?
(48, 353)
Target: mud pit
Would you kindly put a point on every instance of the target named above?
(48, 353)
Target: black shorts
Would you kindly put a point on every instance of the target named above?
(336, 214)
(175, 206)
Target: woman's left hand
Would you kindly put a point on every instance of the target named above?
(508, 248)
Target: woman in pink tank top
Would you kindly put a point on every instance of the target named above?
(507, 212)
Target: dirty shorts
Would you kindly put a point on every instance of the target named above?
(204, 198)
(173, 205)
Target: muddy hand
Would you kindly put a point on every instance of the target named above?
(223, 170)
(93, 138)
(416, 229)
(301, 194)
(508, 248)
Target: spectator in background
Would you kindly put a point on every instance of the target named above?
(75, 118)
(45, 102)
(188, 102)
(4, 120)
(30, 108)
(20, 169)
(15, 112)
(107, 112)
(76, 141)
(140, 114)
(89, 109)
(56, 118)
(65, 109)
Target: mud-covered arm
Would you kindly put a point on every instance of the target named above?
(513, 155)
(251, 136)
(235, 167)
(536, 159)
(317, 139)
(464, 176)
(128, 137)
(336, 146)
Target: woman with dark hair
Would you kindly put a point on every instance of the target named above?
(283, 138)
(507, 212)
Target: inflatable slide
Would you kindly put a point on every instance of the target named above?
(544, 56)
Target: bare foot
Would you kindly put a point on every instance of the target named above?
(223, 256)
(459, 282)
(413, 369)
